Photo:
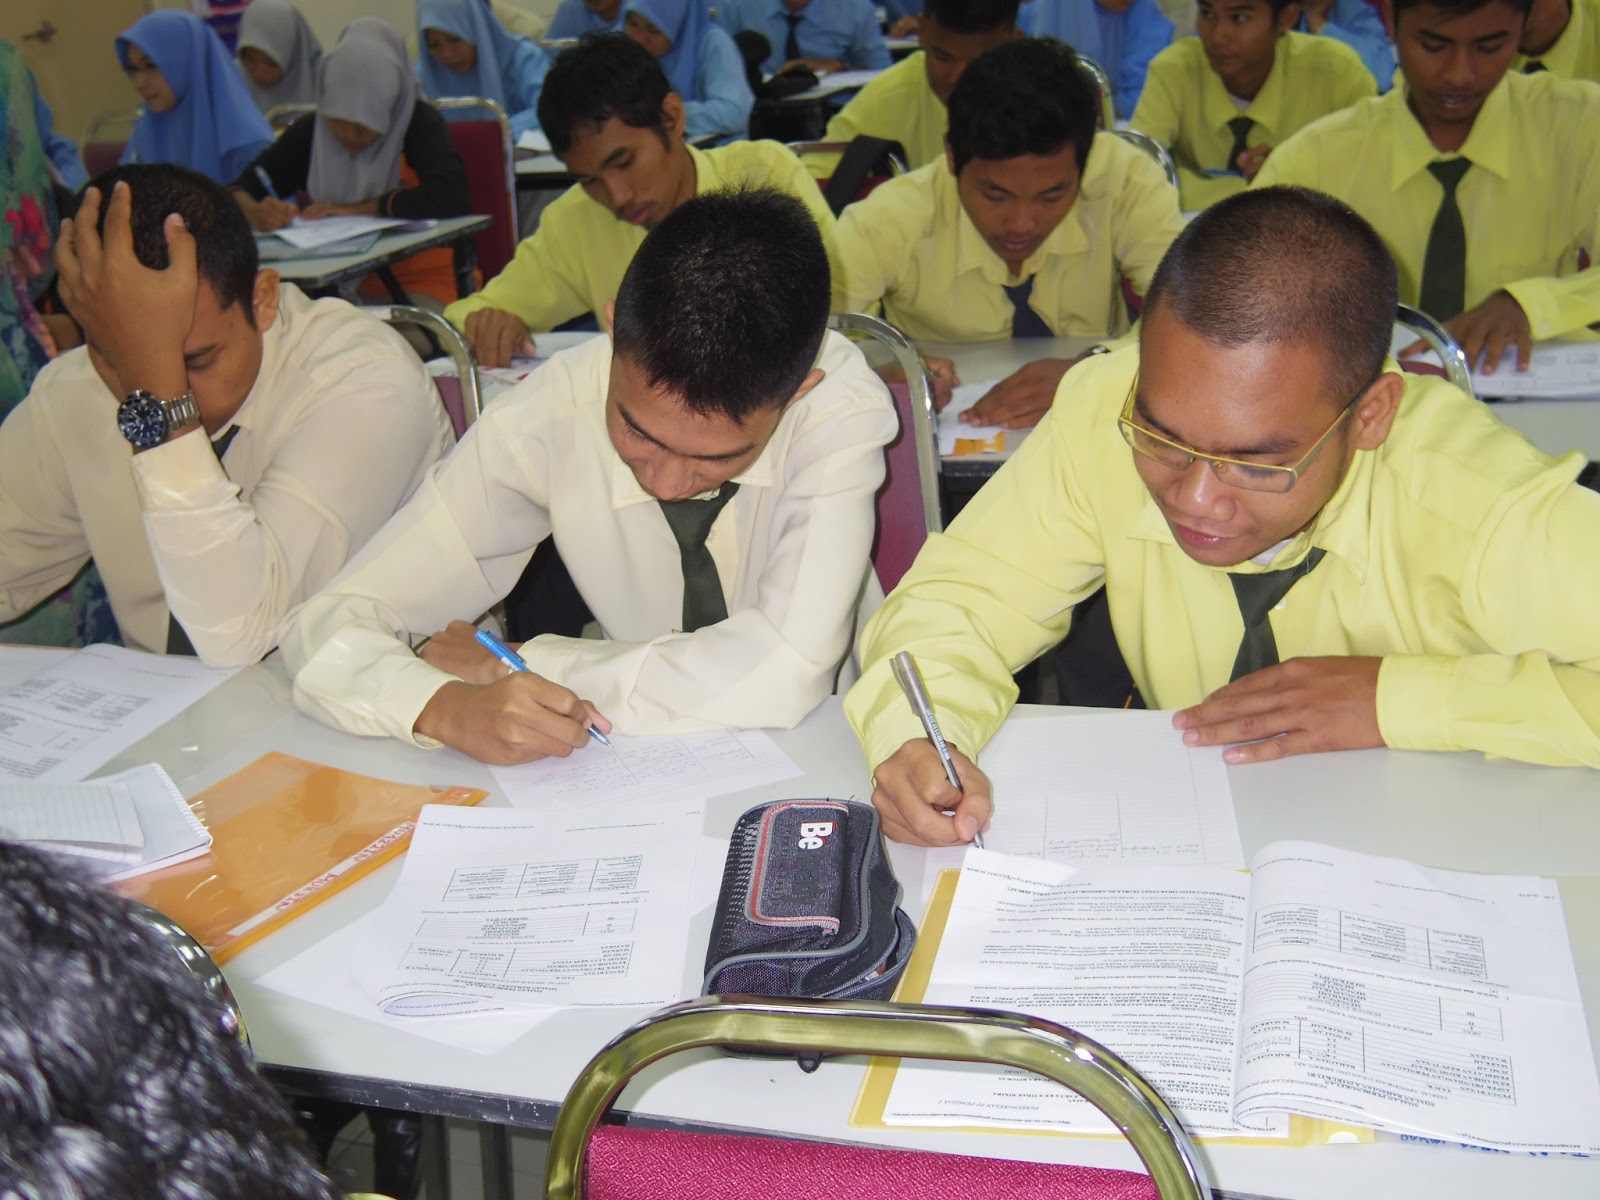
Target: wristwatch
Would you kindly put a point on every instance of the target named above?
(145, 419)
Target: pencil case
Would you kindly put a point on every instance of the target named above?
(809, 906)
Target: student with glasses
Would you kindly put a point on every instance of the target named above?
(1302, 549)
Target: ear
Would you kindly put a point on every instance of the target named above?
(1289, 18)
(611, 318)
(672, 109)
(264, 299)
(813, 377)
(1375, 412)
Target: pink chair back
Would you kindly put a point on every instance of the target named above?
(100, 157)
(652, 1164)
(902, 527)
(450, 396)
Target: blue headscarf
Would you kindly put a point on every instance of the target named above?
(685, 22)
(215, 119)
(472, 21)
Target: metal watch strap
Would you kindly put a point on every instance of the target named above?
(181, 411)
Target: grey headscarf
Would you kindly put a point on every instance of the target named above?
(367, 79)
(278, 30)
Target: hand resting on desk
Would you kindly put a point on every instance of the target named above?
(1021, 399)
(497, 336)
(1487, 332)
(913, 795)
(1301, 706)
(516, 719)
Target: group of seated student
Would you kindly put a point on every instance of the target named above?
(372, 147)
(574, 18)
(1026, 227)
(221, 445)
(1484, 182)
(464, 50)
(617, 123)
(278, 54)
(820, 35)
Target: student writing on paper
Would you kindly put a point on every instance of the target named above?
(708, 474)
(616, 123)
(196, 110)
(1302, 548)
(373, 148)
(906, 103)
(465, 51)
(819, 35)
(221, 446)
(1026, 228)
(1484, 183)
(701, 60)
(1221, 101)
(278, 54)
(1562, 37)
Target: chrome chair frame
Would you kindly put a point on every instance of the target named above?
(452, 340)
(860, 327)
(1102, 82)
(1456, 368)
(194, 957)
(1154, 149)
(892, 1030)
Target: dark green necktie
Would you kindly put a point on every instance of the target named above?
(691, 522)
(1257, 596)
(791, 44)
(1241, 127)
(1534, 68)
(1025, 323)
(1444, 263)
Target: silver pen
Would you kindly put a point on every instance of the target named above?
(910, 679)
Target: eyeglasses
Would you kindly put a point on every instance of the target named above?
(1252, 477)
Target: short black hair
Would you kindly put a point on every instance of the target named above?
(118, 1076)
(1027, 96)
(973, 16)
(1459, 8)
(726, 302)
(605, 75)
(1285, 264)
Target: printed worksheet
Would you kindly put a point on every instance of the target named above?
(956, 437)
(305, 234)
(60, 724)
(671, 767)
(1143, 959)
(499, 907)
(1555, 369)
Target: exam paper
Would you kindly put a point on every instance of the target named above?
(20, 662)
(974, 439)
(65, 721)
(1414, 1000)
(689, 766)
(1144, 959)
(307, 235)
(493, 909)
(1555, 369)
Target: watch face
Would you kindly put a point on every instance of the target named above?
(142, 421)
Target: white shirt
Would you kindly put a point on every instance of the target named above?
(338, 430)
(791, 549)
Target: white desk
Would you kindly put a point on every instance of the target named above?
(312, 271)
(1444, 810)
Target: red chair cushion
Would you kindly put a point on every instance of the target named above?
(902, 528)
(650, 1164)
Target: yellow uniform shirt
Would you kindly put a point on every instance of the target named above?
(1457, 552)
(574, 262)
(912, 245)
(1576, 53)
(898, 105)
(1186, 107)
(1531, 201)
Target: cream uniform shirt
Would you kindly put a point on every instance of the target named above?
(791, 549)
(337, 431)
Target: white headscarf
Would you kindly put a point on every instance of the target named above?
(279, 30)
(367, 79)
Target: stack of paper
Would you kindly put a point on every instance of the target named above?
(1556, 370)
(958, 438)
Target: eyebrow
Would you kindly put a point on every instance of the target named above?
(1279, 445)
(627, 418)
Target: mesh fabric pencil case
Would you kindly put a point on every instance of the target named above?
(809, 906)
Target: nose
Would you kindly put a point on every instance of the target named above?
(667, 478)
(1197, 492)
(1458, 67)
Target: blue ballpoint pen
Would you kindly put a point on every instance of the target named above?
(266, 182)
(514, 660)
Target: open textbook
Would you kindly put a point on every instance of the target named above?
(1327, 984)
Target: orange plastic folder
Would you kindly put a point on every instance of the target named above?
(286, 835)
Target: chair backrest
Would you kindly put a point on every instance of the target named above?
(1419, 325)
(200, 964)
(486, 147)
(1102, 84)
(461, 396)
(908, 501)
(280, 116)
(892, 1030)
(884, 166)
(101, 153)
(1154, 149)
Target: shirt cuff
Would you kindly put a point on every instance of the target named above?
(1541, 303)
(406, 695)
(175, 474)
(1413, 702)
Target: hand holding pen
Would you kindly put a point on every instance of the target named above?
(514, 660)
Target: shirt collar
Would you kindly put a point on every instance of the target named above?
(1487, 146)
(975, 254)
(274, 342)
(1266, 110)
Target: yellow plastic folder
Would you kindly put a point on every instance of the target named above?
(873, 1098)
(286, 835)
